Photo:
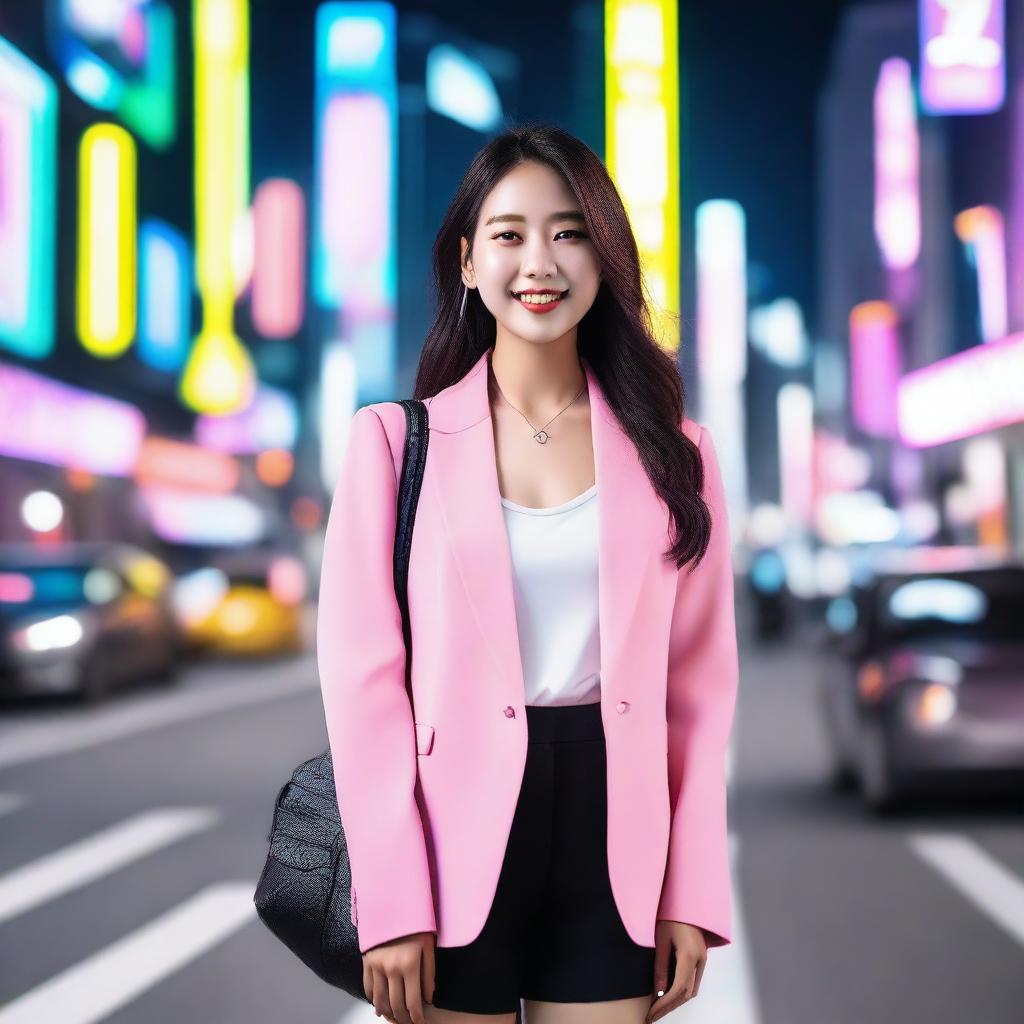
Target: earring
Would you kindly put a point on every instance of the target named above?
(465, 292)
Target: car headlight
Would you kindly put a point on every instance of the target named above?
(52, 634)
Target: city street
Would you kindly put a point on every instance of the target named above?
(134, 835)
(410, 319)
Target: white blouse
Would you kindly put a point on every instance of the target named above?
(554, 563)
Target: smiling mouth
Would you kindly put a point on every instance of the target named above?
(537, 296)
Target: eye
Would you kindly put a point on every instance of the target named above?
(567, 231)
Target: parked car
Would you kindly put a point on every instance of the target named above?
(247, 602)
(923, 680)
(84, 618)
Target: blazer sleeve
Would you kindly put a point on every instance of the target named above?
(361, 661)
(703, 675)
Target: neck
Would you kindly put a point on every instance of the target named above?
(537, 379)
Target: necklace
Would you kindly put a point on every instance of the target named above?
(541, 435)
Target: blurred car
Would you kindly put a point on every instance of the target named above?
(244, 602)
(923, 684)
(84, 618)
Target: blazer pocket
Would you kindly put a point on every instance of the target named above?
(424, 738)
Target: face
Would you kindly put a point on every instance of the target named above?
(531, 235)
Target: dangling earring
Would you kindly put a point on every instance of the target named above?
(465, 292)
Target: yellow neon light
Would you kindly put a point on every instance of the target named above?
(642, 143)
(219, 375)
(107, 247)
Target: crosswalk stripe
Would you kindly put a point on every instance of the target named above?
(984, 881)
(87, 859)
(111, 978)
(10, 802)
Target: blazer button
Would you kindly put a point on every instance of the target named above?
(622, 706)
(510, 712)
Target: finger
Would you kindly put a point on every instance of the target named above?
(674, 996)
(396, 993)
(688, 991)
(701, 964)
(428, 970)
(413, 996)
(661, 966)
(661, 960)
(368, 981)
(380, 993)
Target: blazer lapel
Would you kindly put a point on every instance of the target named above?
(632, 523)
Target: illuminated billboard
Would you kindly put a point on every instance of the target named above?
(28, 201)
(975, 390)
(118, 56)
(963, 55)
(642, 142)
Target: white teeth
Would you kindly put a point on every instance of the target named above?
(539, 299)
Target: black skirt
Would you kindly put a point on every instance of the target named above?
(553, 932)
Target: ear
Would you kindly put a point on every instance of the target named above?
(466, 264)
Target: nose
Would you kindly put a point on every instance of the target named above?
(538, 261)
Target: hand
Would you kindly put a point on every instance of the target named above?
(398, 976)
(691, 954)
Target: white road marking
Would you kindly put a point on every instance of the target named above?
(10, 802)
(984, 881)
(110, 979)
(84, 861)
(23, 744)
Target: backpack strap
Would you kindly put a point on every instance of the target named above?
(414, 460)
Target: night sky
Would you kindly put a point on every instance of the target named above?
(754, 73)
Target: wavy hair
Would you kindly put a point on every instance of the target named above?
(641, 380)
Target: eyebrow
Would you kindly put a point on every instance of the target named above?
(564, 215)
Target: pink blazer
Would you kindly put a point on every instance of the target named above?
(427, 801)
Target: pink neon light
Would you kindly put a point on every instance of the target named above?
(286, 579)
(795, 413)
(963, 59)
(268, 421)
(279, 269)
(134, 35)
(16, 588)
(875, 366)
(721, 291)
(1017, 208)
(46, 421)
(897, 200)
(186, 517)
(967, 393)
(356, 199)
(167, 463)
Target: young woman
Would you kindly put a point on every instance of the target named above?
(547, 820)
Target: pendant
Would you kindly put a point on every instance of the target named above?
(540, 437)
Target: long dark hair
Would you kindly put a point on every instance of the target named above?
(640, 379)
